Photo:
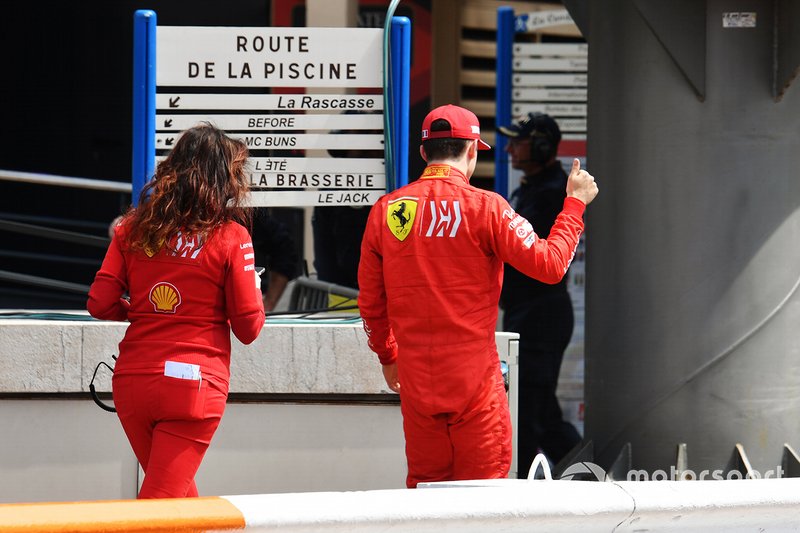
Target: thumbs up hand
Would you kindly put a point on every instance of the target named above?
(580, 184)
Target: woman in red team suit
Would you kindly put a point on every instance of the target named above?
(186, 260)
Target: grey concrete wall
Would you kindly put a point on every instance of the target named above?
(692, 262)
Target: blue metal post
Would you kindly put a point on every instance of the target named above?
(505, 45)
(400, 91)
(144, 100)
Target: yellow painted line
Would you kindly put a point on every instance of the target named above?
(130, 516)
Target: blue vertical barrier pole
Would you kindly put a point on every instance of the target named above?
(401, 83)
(144, 100)
(505, 45)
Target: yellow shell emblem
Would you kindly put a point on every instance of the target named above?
(164, 297)
(400, 215)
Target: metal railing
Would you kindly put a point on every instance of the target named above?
(45, 232)
(65, 181)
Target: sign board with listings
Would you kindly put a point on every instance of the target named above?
(543, 77)
(251, 82)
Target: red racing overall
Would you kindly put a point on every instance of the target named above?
(171, 378)
(430, 278)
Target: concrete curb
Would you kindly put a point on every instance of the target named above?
(498, 505)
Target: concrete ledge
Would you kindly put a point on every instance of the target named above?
(42, 356)
(303, 358)
(289, 357)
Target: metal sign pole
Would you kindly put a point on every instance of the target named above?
(401, 76)
(144, 100)
(505, 43)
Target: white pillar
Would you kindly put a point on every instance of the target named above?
(331, 13)
(325, 14)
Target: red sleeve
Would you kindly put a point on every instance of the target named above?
(243, 302)
(110, 283)
(516, 243)
(372, 292)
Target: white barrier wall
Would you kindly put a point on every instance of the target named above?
(317, 417)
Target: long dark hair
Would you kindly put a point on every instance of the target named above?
(198, 187)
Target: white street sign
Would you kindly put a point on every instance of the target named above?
(259, 122)
(269, 102)
(550, 80)
(316, 164)
(194, 56)
(537, 20)
(549, 94)
(555, 110)
(557, 64)
(301, 141)
(551, 49)
(324, 180)
(312, 164)
(295, 198)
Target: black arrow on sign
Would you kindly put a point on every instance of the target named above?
(168, 123)
(173, 102)
(169, 141)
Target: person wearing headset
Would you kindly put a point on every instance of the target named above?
(541, 313)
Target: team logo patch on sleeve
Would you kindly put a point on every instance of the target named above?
(164, 297)
(400, 215)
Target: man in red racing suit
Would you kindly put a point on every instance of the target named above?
(430, 277)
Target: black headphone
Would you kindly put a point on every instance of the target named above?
(543, 145)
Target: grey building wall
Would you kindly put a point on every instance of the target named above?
(692, 256)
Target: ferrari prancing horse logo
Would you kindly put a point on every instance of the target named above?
(400, 216)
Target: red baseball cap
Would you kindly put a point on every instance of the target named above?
(463, 125)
